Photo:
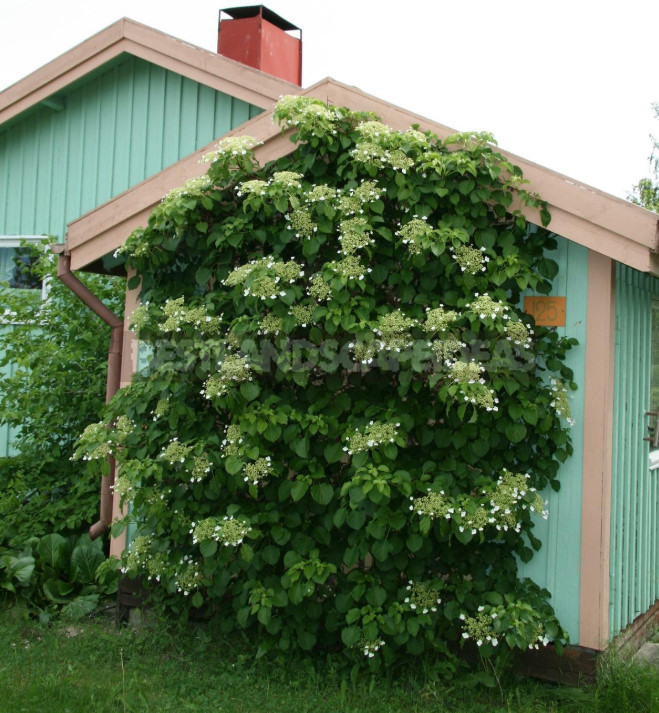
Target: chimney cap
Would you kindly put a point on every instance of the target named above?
(238, 13)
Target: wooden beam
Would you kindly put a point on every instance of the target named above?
(598, 447)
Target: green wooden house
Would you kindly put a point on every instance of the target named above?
(105, 116)
(600, 554)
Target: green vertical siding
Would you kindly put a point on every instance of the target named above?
(557, 565)
(6, 433)
(119, 128)
(122, 125)
(634, 550)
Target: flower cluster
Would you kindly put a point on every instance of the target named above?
(175, 452)
(394, 331)
(389, 138)
(301, 224)
(258, 471)
(140, 317)
(485, 306)
(354, 235)
(94, 444)
(363, 351)
(480, 628)
(228, 531)
(354, 200)
(319, 289)
(374, 434)
(471, 260)
(472, 386)
(187, 579)
(467, 372)
(201, 468)
(320, 193)
(518, 333)
(264, 278)
(415, 234)
(560, 402)
(178, 315)
(476, 521)
(422, 597)
(349, 267)
(124, 487)
(123, 427)
(232, 440)
(370, 647)
(446, 349)
(193, 188)
(287, 179)
(161, 409)
(232, 146)
(434, 505)
(138, 555)
(233, 370)
(270, 324)
(302, 314)
(511, 489)
(306, 112)
(254, 187)
(439, 319)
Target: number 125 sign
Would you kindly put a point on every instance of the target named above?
(547, 311)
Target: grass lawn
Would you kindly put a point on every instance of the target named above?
(96, 666)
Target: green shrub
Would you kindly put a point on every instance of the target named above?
(54, 573)
(58, 349)
(346, 419)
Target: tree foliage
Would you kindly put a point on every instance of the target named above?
(55, 387)
(646, 192)
(346, 419)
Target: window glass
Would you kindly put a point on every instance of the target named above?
(15, 268)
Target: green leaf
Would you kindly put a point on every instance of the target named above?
(376, 596)
(414, 542)
(249, 390)
(80, 607)
(516, 432)
(233, 465)
(322, 493)
(351, 635)
(301, 447)
(412, 626)
(355, 519)
(306, 640)
(51, 550)
(270, 554)
(197, 600)
(207, 548)
(298, 490)
(333, 452)
(86, 559)
(22, 568)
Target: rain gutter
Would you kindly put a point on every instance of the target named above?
(114, 372)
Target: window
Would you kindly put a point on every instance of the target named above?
(17, 255)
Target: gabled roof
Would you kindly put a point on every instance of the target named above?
(584, 215)
(128, 37)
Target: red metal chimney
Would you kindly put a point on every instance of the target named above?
(259, 38)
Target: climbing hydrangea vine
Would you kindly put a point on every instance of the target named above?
(346, 420)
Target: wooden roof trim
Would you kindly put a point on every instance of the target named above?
(596, 220)
(127, 36)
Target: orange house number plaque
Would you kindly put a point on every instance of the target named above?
(547, 311)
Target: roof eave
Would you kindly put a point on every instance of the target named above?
(130, 37)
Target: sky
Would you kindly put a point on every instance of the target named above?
(568, 84)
